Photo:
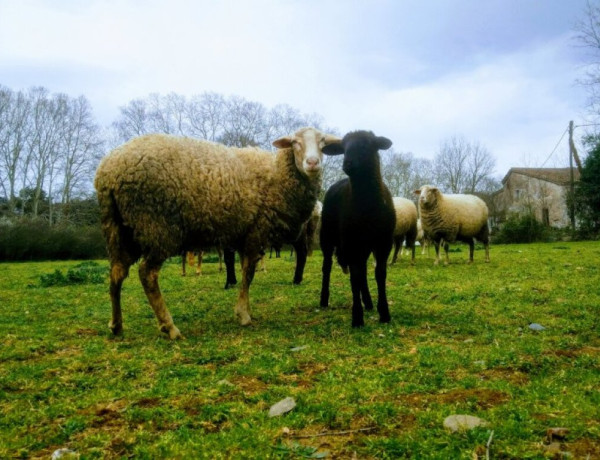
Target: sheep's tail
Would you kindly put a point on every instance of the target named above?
(119, 237)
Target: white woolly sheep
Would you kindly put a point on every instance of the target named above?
(451, 217)
(406, 227)
(358, 219)
(161, 195)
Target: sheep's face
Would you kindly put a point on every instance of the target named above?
(361, 152)
(428, 196)
(307, 145)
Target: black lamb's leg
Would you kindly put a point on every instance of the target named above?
(326, 271)
(229, 258)
(301, 255)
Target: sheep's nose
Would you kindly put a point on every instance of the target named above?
(312, 162)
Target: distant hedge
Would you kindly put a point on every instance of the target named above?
(30, 239)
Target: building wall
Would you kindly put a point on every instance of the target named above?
(546, 199)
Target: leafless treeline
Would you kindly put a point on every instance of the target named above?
(50, 145)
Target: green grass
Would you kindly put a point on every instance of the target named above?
(458, 343)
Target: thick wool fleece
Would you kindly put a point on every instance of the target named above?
(453, 216)
(406, 217)
(179, 193)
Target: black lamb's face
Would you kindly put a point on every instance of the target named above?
(361, 152)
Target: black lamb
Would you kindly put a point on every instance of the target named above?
(358, 219)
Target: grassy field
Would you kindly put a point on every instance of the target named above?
(459, 343)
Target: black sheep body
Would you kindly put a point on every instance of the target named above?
(358, 219)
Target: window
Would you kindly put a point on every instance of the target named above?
(517, 194)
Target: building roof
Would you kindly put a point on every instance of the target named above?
(559, 176)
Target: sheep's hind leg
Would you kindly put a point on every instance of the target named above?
(118, 272)
(229, 258)
(471, 243)
(148, 272)
(242, 308)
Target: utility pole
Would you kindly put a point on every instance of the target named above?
(572, 154)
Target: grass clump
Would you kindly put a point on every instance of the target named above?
(88, 272)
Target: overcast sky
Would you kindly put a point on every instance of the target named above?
(499, 72)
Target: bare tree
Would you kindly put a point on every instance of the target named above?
(461, 166)
(480, 166)
(245, 124)
(206, 116)
(42, 143)
(588, 37)
(14, 114)
(80, 150)
(133, 120)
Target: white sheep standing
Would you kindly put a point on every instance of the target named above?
(161, 195)
(424, 240)
(406, 227)
(451, 217)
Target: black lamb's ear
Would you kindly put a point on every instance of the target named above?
(383, 143)
(335, 148)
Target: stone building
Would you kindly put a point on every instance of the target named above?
(542, 191)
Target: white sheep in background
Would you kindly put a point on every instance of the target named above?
(406, 227)
(453, 217)
(162, 195)
(424, 240)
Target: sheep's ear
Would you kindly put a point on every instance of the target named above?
(334, 148)
(417, 192)
(383, 143)
(283, 142)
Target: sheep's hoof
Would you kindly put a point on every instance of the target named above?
(385, 319)
(360, 323)
(117, 329)
(244, 318)
(171, 331)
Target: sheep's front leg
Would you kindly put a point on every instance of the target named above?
(242, 308)
(436, 244)
(365, 293)
(148, 272)
(326, 272)
(358, 275)
(446, 247)
(301, 254)
(380, 277)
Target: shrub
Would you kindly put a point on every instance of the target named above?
(35, 239)
(84, 273)
(523, 228)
